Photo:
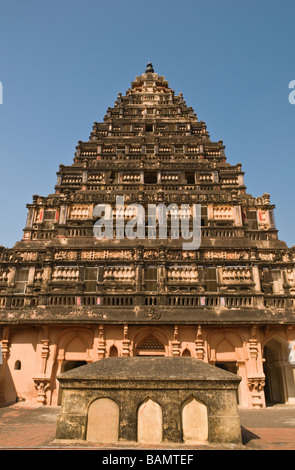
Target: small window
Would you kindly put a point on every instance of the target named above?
(90, 277)
(151, 279)
(186, 353)
(49, 218)
(277, 281)
(190, 178)
(149, 128)
(150, 178)
(210, 280)
(29, 221)
(252, 220)
(271, 219)
(17, 365)
(113, 351)
(204, 216)
(21, 280)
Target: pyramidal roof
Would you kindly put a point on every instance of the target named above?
(150, 148)
(151, 99)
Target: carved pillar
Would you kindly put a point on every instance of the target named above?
(10, 284)
(139, 275)
(41, 384)
(47, 272)
(256, 278)
(162, 278)
(259, 300)
(253, 347)
(41, 381)
(44, 350)
(101, 345)
(256, 385)
(11, 277)
(256, 379)
(200, 347)
(125, 343)
(175, 343)
(5, 353)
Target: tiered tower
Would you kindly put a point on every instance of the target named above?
(67, 297)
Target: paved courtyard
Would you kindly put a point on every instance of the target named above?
(26, 427)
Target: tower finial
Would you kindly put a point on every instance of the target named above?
(149, 68)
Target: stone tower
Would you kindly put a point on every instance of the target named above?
(68, 297)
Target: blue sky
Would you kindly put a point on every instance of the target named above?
(62, 64)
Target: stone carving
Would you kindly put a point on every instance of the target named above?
(152, 314)
(65, 274)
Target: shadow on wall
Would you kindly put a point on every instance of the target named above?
(8, 393)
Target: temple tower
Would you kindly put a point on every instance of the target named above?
(69, 297)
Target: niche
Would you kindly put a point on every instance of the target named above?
(149, 422)
(103, 421)
(195, 421)
(150, 177)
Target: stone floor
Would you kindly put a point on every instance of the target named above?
(23, 426)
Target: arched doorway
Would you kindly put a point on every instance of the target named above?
(73, 351)
(279, 381)
(226, 359)
(113, 351)
(69, 365)
(186, 353)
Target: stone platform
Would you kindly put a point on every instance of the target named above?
(149, 400)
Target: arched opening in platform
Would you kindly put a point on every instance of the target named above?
(194, 421)
(103, 421)
(149, 422)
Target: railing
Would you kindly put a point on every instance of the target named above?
(279, 302)
(210, 301)
(181, 300)
(91, 300)
(66, 300)
(261, 235)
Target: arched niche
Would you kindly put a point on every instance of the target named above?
(73, 350)
(186, 352)
(151, 344)
(76, 348)
(113, 351)
(225, 346)
(194, 421)
(149, 422)
(225, 351)
(74, 345)
(17, 365)
(103, 421)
